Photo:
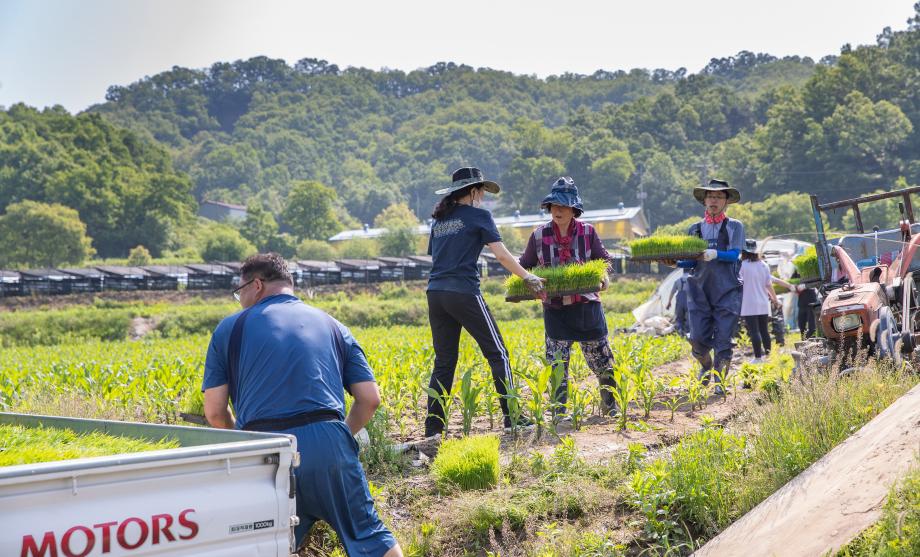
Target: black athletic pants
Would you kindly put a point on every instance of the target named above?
(759, 331)
(448, 312)
(806, 321)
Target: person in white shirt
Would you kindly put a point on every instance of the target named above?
(756, 298)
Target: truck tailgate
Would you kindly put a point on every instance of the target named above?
(223, 493)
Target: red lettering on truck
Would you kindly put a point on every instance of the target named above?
(190, 524)
(49, 544)
(106, 528)
(83, 544)
(66, 547)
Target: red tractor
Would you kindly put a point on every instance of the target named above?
(870, 292)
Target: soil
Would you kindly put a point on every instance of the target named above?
(140, 326)
(835, 499)
(600, 438)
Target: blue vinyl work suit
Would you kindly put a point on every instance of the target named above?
(714, 294)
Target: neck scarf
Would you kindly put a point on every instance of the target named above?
(565, 244)
(714, 219)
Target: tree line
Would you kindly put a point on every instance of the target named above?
(311, 148)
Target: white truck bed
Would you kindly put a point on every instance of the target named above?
(222, 493)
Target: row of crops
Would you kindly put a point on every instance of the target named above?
(156, 379)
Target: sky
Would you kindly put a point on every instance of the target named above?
(69, 52)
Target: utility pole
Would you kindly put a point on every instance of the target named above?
(641, 195)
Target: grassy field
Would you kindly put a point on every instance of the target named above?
(663, 486)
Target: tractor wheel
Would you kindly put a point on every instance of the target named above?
(887, 337)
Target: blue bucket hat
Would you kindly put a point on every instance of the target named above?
(564, 194)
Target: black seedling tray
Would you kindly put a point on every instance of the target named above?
(525, 297)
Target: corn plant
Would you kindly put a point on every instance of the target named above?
(513, 400)
(446, 399)
(538, 384)
(489, 398)
(647, 385)
(469, 399)
(624, 392)
(696, 390)
(580, 400)
(721, 381)
(674, 401)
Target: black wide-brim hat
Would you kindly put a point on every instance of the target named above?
(468, 176)
(750, 246)
(565, 194)
(699, 192)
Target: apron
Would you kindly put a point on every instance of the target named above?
(714, 303)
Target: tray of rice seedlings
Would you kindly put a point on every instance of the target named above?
(564, 280)
(191, 407)
(30, 445)
(656, 248)
(807, 265)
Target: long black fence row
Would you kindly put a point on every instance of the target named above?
(225, 275)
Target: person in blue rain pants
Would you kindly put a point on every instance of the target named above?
(714, 284)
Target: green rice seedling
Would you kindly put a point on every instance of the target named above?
(467, 463)
(469, 399)
(446, 399)
(575, 277)
(29, 445)
(667, 247)
(192, 402)
(807, 265)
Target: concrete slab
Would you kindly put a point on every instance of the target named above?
(830, 503)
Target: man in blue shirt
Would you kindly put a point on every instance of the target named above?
(285, 366)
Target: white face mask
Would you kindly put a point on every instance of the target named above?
(476, 198)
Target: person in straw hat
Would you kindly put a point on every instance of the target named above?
(458, 233)
(714, 285)
(579, 317)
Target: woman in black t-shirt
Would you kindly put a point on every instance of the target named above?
(458, 234)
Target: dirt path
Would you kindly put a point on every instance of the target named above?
(601, 438)
(835, 499)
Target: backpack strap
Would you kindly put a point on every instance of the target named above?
(340, 347)
(234, 352)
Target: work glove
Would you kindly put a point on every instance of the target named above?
(363, 438)
(534, 282)
(605, 282)
(710, 254)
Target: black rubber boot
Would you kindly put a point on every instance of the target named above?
(608, 402)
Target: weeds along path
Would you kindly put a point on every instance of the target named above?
(831, 502)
